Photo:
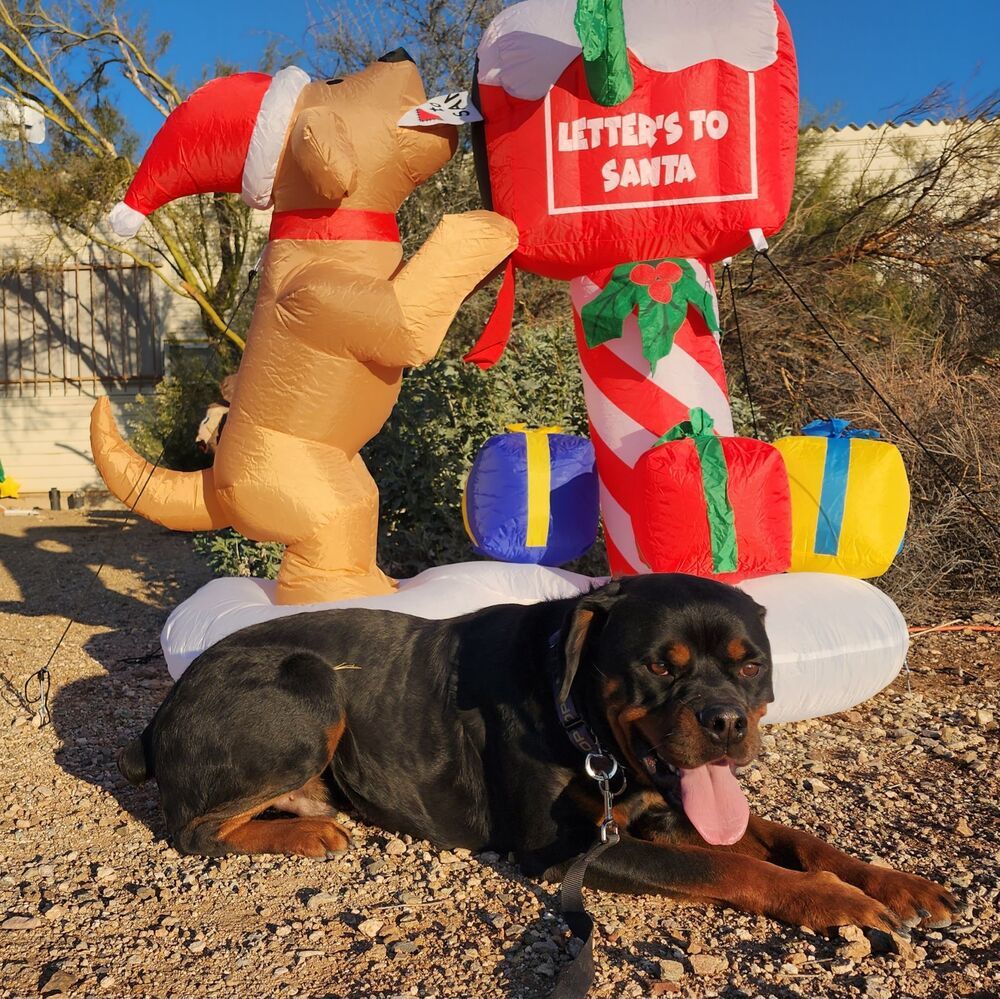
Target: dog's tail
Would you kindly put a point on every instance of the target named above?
(132, 762)
(181, 501)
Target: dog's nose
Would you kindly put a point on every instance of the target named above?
(726, 723)
(396, 55)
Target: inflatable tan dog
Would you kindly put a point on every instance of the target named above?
(337, 317)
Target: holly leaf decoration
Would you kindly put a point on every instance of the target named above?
(659, 292)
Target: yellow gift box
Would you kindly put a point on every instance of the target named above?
(850, 499)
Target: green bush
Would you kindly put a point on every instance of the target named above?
(228, 553)
(167, 419)
(446, 411)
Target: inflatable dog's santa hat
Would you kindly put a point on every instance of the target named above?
(227, 136)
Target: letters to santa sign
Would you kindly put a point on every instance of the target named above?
(700, 153)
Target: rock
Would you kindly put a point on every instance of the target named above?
(851, 933)
(963, 828)
(983, 717)
(196, 946)
(816, 786)
(671, 971)
(21, 923)
(789, 969)
(708, 964)
(404, 947)
(664, 988)
(320, 899)
(60, 981)
(40, 871)
(371, 928)
(856, 950)
(395, 848)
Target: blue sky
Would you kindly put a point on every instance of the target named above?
(859, 60)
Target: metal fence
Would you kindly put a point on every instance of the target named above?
(78, 329)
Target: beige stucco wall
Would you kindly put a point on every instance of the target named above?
(44, 429)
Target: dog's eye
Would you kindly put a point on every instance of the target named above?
(338, 79)
(657, 668)
(749, 669)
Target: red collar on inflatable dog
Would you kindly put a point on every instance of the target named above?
(335, 224)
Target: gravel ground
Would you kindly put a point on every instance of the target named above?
(93, 902)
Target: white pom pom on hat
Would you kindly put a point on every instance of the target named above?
(227, 136)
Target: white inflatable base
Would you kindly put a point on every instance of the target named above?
(835, 641)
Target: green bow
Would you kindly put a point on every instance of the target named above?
(715, 481)
(603, 315)
(600, 25)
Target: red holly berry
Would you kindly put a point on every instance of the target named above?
(660, 279)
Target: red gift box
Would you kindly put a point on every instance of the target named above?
(713, 506)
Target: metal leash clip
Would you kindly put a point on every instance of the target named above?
(602, 767)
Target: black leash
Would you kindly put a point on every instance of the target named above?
(576, 978)
(987, 520)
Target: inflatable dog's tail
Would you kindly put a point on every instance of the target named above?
(181, 501)
(132, 762)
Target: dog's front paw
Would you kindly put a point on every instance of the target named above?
(915, 900)
(823, 902)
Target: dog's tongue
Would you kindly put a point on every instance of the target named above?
(715, 803)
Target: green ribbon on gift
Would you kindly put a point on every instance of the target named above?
(715, 481)
(600, 26)
(604, 315)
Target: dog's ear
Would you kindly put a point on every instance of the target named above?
(582, 625)
(322, 147)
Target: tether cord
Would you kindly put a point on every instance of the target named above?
(990, 523)
(727, 275)
(42, 675)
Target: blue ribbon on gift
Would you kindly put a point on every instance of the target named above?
(833, 495)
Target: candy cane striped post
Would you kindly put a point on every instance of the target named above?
(629, 407)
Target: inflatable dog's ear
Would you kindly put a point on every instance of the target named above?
(322, 148)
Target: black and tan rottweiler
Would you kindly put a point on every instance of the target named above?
(449, 731)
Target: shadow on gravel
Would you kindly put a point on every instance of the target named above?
(54, 567)
(96, 716)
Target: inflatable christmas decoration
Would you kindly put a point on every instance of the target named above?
(634, 202)
(850, 499)
(336, 320)
(716, 506)
(9, 488)
(531, 496)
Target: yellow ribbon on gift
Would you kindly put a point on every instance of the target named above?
(539, 481)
